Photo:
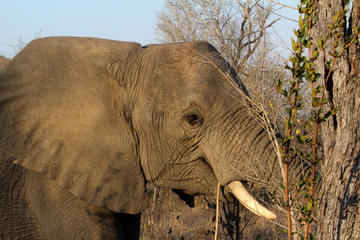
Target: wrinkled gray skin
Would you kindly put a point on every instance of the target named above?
(86, 123)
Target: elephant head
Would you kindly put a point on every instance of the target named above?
(102, 118)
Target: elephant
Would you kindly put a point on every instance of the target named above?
(86, 123)
(3, 61)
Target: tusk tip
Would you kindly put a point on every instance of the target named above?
(271, 216)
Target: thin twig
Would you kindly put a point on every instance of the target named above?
(283, 5)
(280, 38)
(217, 211)
(282, 16)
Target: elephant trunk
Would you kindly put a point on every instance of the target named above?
(261, 166)
(241, 150)
(249, 155)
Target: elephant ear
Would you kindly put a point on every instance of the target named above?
(65, 112)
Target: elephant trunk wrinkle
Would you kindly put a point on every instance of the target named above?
(243, 152)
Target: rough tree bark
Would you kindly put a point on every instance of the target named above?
(339, 213)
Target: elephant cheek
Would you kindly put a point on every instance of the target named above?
(224, 170)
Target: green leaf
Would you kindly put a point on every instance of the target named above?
(282, 230)
(309, 219)
(342, 23)
(320, 43)
(305, 10)
(357, 30)
(331, 26)
(283, 142)
(312, 236)
(284, 93)
(310, 10)
(321, 119)
(302, 178)
(301, 22)
(298, 152)
(308, 140)
(279, 88)
(315, 54)
(315, 102)
(306, 125)
(288, 67)
(299, 106)
(304, 2)
(295, 46)
(296, 32)
(279, 85)
(306, 195)
(334, 111)
(317, 76)
(315, 91)
(301, 140)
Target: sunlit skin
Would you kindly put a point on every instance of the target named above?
(88, 122)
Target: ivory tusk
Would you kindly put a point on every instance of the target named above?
(245, 198)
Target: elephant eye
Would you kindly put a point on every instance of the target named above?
(193, 119)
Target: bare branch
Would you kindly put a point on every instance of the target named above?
(282, 16)
(283, 5)
(234, 27)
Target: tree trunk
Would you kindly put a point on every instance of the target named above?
(339, 212)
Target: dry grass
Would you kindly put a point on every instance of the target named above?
(171, 218)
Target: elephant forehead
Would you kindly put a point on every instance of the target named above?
(186, 82)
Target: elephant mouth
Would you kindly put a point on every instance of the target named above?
(245, 198)
(188, 199)
(241, 194)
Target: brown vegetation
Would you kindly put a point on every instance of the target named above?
(169, 217)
